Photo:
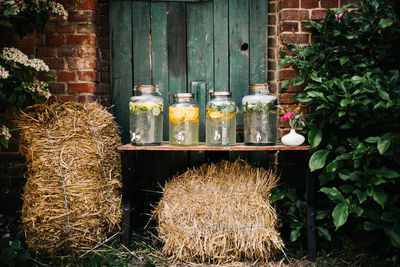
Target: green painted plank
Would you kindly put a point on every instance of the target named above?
(200, 54)
(221, 45)
(200, 92)
(258, 41)
(258, 57)
(141, 43)
(238, 60)
(176, 30)
(121, 62)
(176, 45)
(159, 53)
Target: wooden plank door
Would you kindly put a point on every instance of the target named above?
(186, 46)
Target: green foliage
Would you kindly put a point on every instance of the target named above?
(15, 255)
(351, 76)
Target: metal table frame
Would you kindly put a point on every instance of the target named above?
(128, 154)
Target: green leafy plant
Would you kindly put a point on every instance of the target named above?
(14, 255)
(21, 77)
(351, 76)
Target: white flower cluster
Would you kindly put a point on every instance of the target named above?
(39, 87)
(4, 131)
(57, 9)
(37, 6)
(13, 54)
(3, 73)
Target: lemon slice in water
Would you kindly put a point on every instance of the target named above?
(156, 111)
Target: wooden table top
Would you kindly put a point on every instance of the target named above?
(203, 147)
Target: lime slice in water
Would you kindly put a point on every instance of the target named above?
(156, 111)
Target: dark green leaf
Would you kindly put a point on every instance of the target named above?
(394, 237)
(322, 232)
(285, 84)
(314, 77)
(379, 196)
(361, 195)
(332, 167)
(294, 235)
(3, 141)
(343, 60)
(5, 23)
(10, 10)
(386, 173)
(333, 194)
(384, 23)
(276, 195)
(372, 139)
(348, 175)
(315, 137)
(321, 214)
(369, 226)
(340, 214)
(317, 160)
(383, 145)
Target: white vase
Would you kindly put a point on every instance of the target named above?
(292, 138)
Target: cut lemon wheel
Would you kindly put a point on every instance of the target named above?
(215, 114)
(181, 114)
(156, 111)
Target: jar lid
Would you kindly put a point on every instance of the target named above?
(220, 93)
(145, 87)
(183, 95)
(258, 86)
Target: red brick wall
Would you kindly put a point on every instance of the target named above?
(77, 50)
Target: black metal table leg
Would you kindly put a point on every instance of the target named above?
(127, 159)
(310, 200)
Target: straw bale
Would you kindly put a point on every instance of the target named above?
(70, 202)
(219, 213)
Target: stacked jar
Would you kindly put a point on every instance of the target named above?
(146, 116)
(183, 121)
(259, 116)
(221, 119)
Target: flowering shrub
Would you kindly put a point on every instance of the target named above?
(20, 75)
(352, 83)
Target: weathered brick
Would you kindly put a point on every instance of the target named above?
(289, 26)
(104, 43)
(297, 15)
(271, 7)
(293, 89)
(81, 16)
(88, 76)
(319, 14)
(87, 98)
(66, 75)
(86, 28)
(65, 28)
(68, 4)
(82, 39)
(46, 51)
(345, 2)
(81, 63)
(85, 4)
(49, 28)
(67, 51)
(81, 88)
(287, 74)
(32, 39)
(87, 51)
(293, 38)
(55, 40)
(55, 63)
(309, 4)
(289, 4)
(272, 41)
(103, 88)
(285, 98)
(57, 88)
(329, 3)
(66, 98)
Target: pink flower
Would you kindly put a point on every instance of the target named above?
(287, 116)
(339, 16)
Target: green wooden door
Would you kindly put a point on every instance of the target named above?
(186, 46)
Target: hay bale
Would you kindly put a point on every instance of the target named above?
(70, 202)
(219, 213)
